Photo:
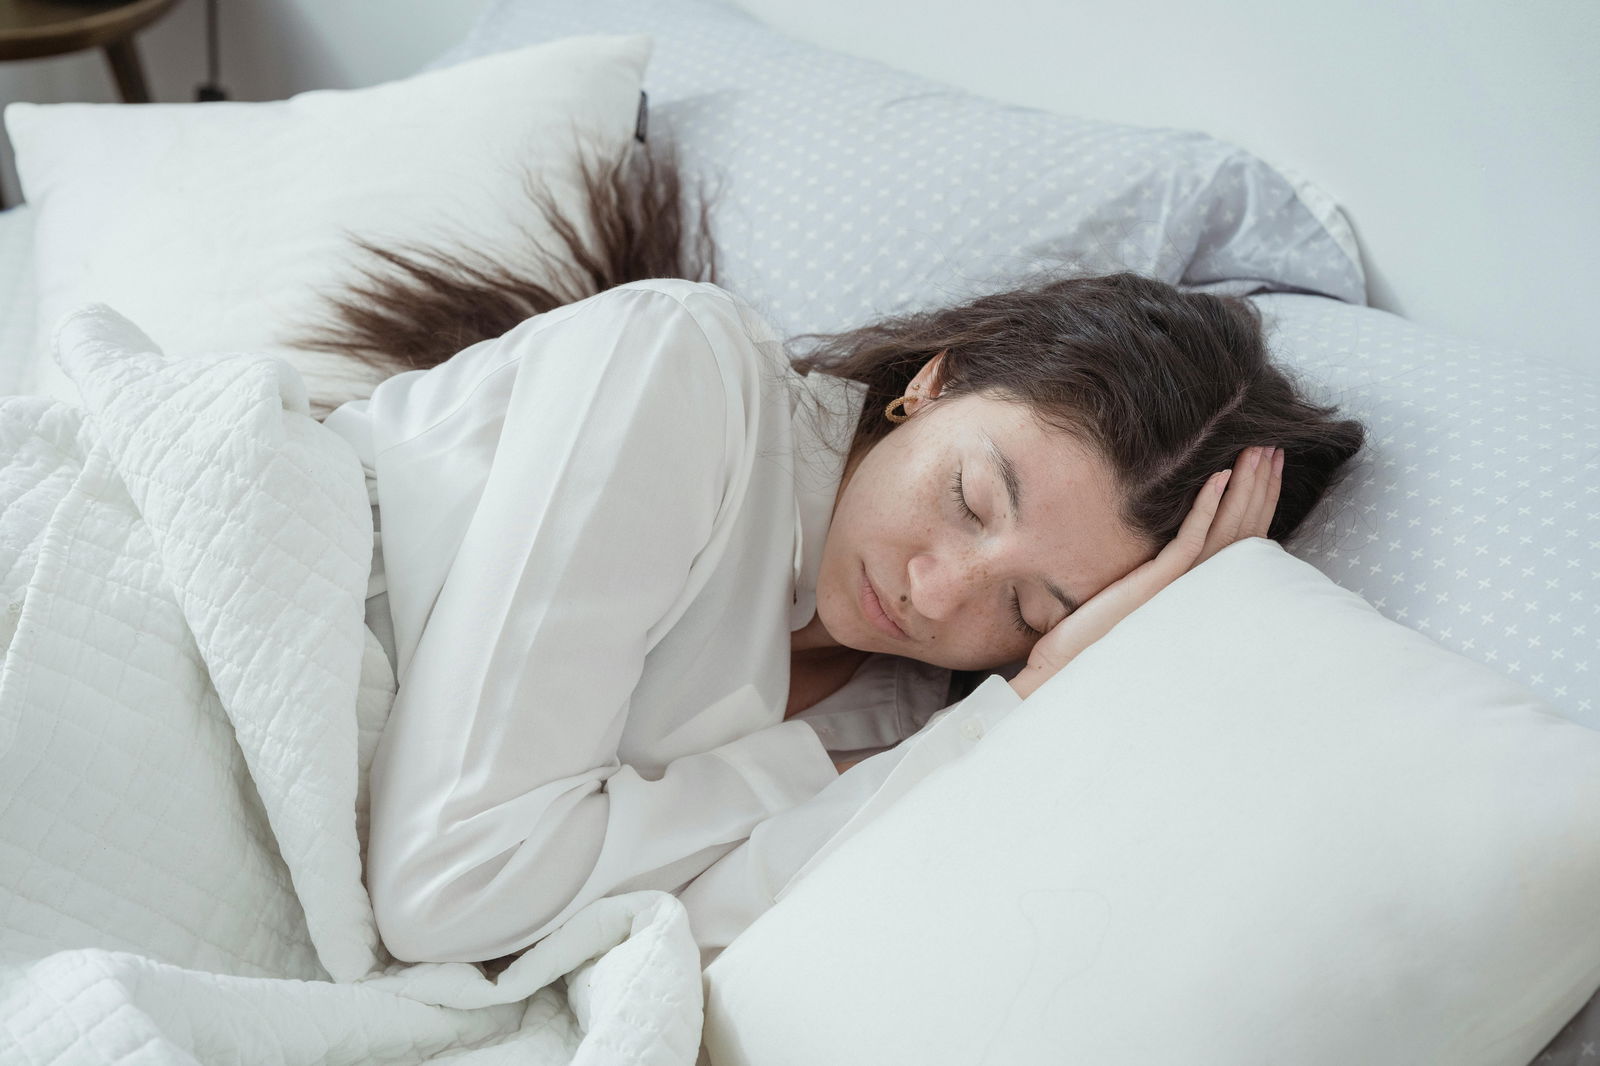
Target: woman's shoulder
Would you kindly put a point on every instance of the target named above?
(703, 300)
(680, 289)
(736, 336)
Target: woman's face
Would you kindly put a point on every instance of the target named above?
(1046, 529)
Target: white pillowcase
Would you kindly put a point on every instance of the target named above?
(1256, 823)
(218, 226)
(16, 298)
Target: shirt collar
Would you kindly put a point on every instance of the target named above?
(825, 411)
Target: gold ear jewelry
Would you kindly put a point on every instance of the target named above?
(889, 412)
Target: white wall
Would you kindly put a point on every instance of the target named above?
(270, 49)
(1463, 136)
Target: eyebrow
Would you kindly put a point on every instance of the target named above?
(1008, 474)
(1059, 593)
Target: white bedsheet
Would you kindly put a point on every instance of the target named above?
(188, 702)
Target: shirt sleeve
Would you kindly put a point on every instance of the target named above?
(499, 804)
(745, 883)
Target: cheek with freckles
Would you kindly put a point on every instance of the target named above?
(897, 506)
(990, 646)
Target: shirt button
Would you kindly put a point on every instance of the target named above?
(972, 729)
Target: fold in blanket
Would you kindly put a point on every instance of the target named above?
(188, 705)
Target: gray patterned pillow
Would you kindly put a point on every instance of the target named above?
(1473, 514)
(853, 190)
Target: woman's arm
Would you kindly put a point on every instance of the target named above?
(744, 884)
(500, 805)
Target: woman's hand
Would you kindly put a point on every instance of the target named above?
(1233, 505)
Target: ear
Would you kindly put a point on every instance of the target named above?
(927, 384)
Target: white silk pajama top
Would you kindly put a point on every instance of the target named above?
(596, 533)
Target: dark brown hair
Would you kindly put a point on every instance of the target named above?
(1168, 385)
(418, 305)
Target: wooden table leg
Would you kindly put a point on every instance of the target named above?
(128, 71)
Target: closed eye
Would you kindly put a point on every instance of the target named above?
(1021, 623)
(959, 495)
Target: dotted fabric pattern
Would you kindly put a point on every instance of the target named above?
(849, 190)
(852, 190)
(1473, 513)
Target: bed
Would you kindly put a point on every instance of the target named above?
(16, 282)
(219, 919)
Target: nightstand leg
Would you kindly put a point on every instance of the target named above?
(128, 71)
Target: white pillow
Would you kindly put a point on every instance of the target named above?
(217, 226)
(1256, 823)
(16, 299)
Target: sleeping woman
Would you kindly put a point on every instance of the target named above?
(665, 605)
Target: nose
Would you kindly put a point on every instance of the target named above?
(940, 583)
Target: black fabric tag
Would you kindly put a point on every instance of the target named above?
(644, 117)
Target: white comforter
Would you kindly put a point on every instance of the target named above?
(188, 704)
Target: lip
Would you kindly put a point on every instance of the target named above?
(873, 610)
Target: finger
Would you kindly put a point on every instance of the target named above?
(1261, 521)
(1176, 558)
(1191, 538)
(1236, 505)
(1259, 486)
(1234, 522)
(1225, 530)
(1262, 500)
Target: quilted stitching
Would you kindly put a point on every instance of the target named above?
(188, 707)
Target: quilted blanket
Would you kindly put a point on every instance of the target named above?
(188, 704)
